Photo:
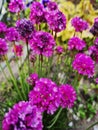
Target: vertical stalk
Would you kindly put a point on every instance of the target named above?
(18, 15)
(41, 62)
(13, 79)
(2, 70)
(55, 36)
(28, 57)
(21, 81)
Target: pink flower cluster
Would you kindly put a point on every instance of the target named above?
(45, 95)
(12, 35)
(76, 43)
(67, 96)
(84, 65)
(16, 6)
(37, 14)
(56, 21)
(79, 24)
(23, 116)
(3, 47)
(42, 43)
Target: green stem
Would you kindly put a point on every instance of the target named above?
(3, 72)
(21, 81)
(39, 65)
(13, 79)
(55, 118)
(24, 76)
(41, 62)
(28, 57)
(92, 125)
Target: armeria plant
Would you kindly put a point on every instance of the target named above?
(50, 81)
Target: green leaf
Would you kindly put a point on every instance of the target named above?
(96, 0)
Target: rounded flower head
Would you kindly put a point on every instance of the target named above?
(18, 50)
(3, 47)
(45, 95)
(12, 34)
(52, 6)
(42, 43)
(84, 65)
(23, 116)
(37, 14)
(76, 43)
(93, 52)
(59, 50)
(79, 24)
(32, 78)
(94, 29)
(3, 27)
(25, 28)
(56, 21)
(16, 6)
(67, 95)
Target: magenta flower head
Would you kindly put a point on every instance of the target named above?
(45, 95)
(93, 52)
(25, 28)
(16, 6)
(79, 24)
(12, 34)
(94, 29)
(96, 42)
(23, 116)
(18, 50)
(67, 96)
(32, 79)
(3, 47)
(37, 14)
(56, 21)
(3, 27)
(52, 6)
(84, 65)
(76, 43)
(59, 50)
(42, 43)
